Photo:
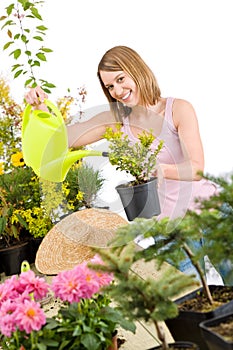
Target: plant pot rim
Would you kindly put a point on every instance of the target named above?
(129, 184)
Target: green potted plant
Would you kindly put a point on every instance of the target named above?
(85, 318)
(173, 244)
(139, 196)
(145, 299)
(217, 332)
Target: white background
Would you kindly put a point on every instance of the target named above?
(187, 43)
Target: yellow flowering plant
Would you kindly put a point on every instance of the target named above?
(29, 205)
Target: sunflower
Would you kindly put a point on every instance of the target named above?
(1, 168)
(17, 159)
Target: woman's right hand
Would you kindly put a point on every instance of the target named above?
(35, 97)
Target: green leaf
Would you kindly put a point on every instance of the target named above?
(45, 49)
(3, 222)
(17, 73)
(41, 56)
(9, 9)
(16, 36)
(7, 23)
(15, 66)
(7, 45)
(41, 28)
(28, 53)
(90, 341)
(36, 63)
(49, 85)
(38, 38)
(24, 38)
(36, 13)
(16, 53)
(27, 82)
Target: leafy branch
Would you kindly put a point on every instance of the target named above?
(16, 23)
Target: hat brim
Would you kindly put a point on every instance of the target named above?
(70, 241)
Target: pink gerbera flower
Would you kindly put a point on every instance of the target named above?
(33, 284)
(69, 285)
(7, 318)
(29, 316)
(8, 289)
(104, 278)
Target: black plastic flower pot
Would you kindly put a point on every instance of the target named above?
(34, 246)
(186, 325)
(12, 257)
(179, 345)
(214, 340)
(140, 201)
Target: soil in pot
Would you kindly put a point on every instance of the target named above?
(218, 332)
(194, 309)
(140, 201)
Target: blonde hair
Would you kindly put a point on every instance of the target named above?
(123, 58)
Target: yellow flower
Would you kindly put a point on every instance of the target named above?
(80, 196)
(1, 168)
(17, 159)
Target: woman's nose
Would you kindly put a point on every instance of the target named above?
(118, 90)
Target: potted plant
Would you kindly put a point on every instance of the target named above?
(139, 196)
(173, 243)
(85, 319)
(144, 299)
(217, 332)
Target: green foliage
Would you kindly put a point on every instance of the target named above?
(10, 125)
(90, 182)
(138, 159)
(216, 221)
(25, 33)
(89, 324)
(20, 205)
(173, 239)
(147, 299)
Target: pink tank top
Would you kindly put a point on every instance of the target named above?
(176, 197)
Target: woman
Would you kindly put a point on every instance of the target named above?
(135, 100)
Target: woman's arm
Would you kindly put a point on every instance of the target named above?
(92, 130)
(185, 120)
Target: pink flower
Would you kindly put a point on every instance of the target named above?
(29, 316)
(33, 284)
(104, 278)
(8, 289)
(92, 285)
(70, 285)
(7, 318)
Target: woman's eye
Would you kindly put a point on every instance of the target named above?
(110, 87)
(120, 80)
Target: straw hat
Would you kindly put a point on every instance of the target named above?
(69, 242)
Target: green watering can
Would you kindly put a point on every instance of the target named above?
(45, 144)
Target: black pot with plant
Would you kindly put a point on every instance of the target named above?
(173, 244)
(147, 299)
(139, 196)
(217, 332)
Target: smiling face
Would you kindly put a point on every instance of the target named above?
(121, 87)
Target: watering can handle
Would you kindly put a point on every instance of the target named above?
(54, 109)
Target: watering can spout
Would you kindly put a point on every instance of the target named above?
(45, 144)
